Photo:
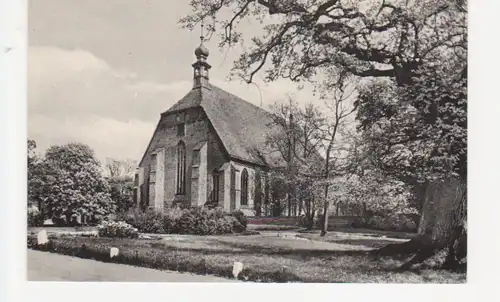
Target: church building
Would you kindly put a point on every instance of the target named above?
(208, 149)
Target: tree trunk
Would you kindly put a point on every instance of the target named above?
(289, 204)
(324, 230)
(444, 217)
(311, 222)
(444, 210)
(442, 225)
(300, 207)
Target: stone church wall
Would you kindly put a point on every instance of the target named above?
(197, 130)
(253, 172)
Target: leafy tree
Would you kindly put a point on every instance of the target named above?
(283, 141)
(375, 193)
(418, 133)
(35, 180)
(73, 184)
(277, 192)
(367, 38)
(295, 139)
(310, 143)
(122, 192)
(333, 145)
(33, 164)
(401, 41)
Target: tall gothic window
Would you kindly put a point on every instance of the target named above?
(181, 168)
(215, 182)
(244, 187)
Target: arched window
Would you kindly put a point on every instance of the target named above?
(215, 183)
(181, 168)
(244, 187)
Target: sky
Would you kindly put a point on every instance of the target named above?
(101, 72)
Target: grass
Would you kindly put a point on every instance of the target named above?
(272, 227)
(266, 258)
(376, 233)
(361, 239)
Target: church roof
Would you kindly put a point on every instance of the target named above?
(241, 126)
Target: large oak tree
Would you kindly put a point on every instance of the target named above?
(398, 40)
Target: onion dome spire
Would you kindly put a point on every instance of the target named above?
(201, 50)
(201, 67)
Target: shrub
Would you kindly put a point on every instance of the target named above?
(242, 220)
(318, 221)
(35, 217)
(59, 221)
(147, 222)
(378, 223)
(201, 221)
(193, 221)
(401, 222)
(397, 222)
(306, 222)
(230, 224)
(358, 222)
(275, 220)
(171, 218)
(118, 229)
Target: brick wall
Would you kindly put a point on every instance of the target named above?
(200, 135)
(216, 158)
(197, 130)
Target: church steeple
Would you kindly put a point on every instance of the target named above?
(201, 67)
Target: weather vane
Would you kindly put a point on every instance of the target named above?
(201, 36)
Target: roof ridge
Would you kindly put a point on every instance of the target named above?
(241, 99)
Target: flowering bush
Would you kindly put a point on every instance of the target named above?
(119, 229)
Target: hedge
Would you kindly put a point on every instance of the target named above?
(191, 221)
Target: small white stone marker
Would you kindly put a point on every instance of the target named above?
(42, 237)
(237, 268)
(113, 252)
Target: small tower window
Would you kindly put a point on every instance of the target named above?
(180, 129)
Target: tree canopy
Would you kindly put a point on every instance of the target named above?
(72, 183)
(366, 38)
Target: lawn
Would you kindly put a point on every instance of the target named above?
(266, 257)
(364, 238)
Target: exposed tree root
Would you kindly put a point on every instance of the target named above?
(400, 249)
(421, 252)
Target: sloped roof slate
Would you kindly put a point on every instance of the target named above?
(241, 126)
